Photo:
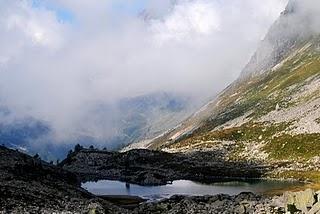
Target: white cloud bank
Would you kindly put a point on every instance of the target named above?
(59, 71)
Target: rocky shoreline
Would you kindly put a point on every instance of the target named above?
(147, 167)
(244, 203)
(306, 201)
(30, 185)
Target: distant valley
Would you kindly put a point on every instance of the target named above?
(140, 118)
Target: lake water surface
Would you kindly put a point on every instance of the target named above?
(184, 187)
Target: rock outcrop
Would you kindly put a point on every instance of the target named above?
(30, 185)
(307, 201)
(148, 167)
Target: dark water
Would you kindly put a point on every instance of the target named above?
(183, 187)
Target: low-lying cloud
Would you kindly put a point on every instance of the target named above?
(58, 69)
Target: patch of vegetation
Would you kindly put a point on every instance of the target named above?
(317, 120)
(236, 151)
(310, 97)
(228, 114)
(249, 132)
(312, 176)
(297, 147)
(282, 83)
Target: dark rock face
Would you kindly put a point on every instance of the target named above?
(147, 167)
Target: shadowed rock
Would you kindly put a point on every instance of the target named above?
(148, 167)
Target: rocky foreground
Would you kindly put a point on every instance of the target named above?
(306, 201)
(300, 202)
(30, 185)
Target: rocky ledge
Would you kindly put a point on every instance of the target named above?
(148, 167)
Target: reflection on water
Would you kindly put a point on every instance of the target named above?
(183, 187)
(128, 188)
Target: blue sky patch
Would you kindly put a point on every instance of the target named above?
(129, 7)
(62, 14)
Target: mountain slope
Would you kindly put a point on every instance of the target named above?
(272, 112)
(294, 26)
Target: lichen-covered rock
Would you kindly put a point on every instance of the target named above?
(95, 208)
(315, 208)
(303, 201)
